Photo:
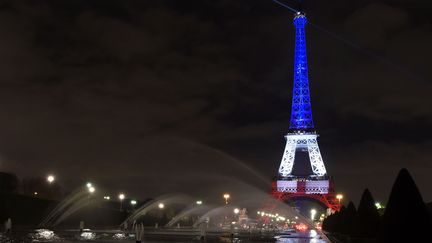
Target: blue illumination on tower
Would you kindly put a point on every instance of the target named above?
(301, 111)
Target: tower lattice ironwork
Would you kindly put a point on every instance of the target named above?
(302, 138)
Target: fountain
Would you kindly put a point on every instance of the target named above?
(72, 203)
(157, 203)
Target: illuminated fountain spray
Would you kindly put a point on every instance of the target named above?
(72, 203)
(160, 203)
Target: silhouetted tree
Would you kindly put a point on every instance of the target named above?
(331, 222)
(367, 220)
(429, 208)
(348, 219)
(406, 217)
(325, 224)
(338, 221)
(8, 182)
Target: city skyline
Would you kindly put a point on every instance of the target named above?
(133, 95)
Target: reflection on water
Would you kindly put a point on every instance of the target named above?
(311, 236)
(88, 235)
(43, 235)
(46, 235)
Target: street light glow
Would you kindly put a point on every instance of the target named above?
(236, 210)
(161, 206)
(107, 197)
(379, 205)
(121, 196)
(199, 202)
(339, 197)
(133, 202)
(89, 185)
(50, 178)
(226, 196)
(91, 189)
(313, 213)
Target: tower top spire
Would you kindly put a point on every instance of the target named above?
(301, 110)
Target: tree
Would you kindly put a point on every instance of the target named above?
(332, 222)
(350, 212)
(338, 221)
(329, 222)
(367, 220)
(8, 182)
(406, 213)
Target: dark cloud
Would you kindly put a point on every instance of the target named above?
(137, 94)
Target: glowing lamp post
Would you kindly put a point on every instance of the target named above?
(226, 196)
(121, 197)
(133, 203)
(161, 205)
(313, 213)
(91, 190)
(50, 179)
(236, 211)
(339, 197)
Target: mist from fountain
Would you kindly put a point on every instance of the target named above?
(192, 210)
(153, 204)
(73, 202)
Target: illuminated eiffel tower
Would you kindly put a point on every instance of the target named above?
(302, 137)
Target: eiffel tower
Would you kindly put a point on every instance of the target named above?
(302, 138)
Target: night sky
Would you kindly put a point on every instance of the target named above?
(157, 96)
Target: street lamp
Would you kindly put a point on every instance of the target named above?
(313, 213)
(199, 202)
(161, 206)
(91, 190)
(379, 205)
(339, 197)
(236, 210)
(50, 179)
(88, 185)
(121, 197)
(133, 202)
(226, 196)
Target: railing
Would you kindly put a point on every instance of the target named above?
(302, 178)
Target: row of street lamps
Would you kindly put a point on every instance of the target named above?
(226, 196)
(91, 189)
